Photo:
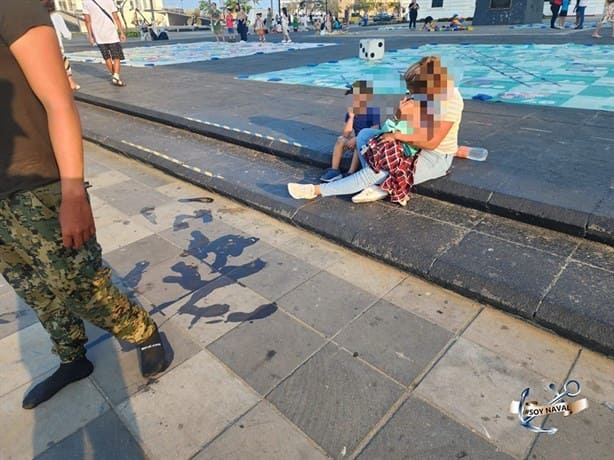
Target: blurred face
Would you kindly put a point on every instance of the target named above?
(360, 102)
(409, 111)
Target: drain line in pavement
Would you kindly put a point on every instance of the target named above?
(171, 159)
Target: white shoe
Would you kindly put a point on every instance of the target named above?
(283, 41)
(371, 193)
(302, 191)
(289, 41)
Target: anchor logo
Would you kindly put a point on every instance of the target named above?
(528, 410)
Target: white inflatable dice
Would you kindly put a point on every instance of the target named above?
(371, 48)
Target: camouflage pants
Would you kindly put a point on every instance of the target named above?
(63, 286)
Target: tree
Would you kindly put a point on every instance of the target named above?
(205, 5)
(364, 5)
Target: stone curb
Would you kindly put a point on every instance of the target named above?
(366, 229)
(584, 224)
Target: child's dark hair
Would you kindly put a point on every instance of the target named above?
(49, 4)
(363, 86)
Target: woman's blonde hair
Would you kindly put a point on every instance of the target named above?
(427, 76)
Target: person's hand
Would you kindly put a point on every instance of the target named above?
(386, 137)
(92, 41)
(122, 36)
(351, 144)
(76, 220)
(351, 112)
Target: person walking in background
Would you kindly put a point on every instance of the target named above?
(563, 13)
(285, 26)
(259, 27)
(62, 32)
(242, 24)
(48, 248)
(216, 23)
(579, 9)
(608, 16)
(270, 20)
(555, 7)
(230, 25)
(102, 23)
(413, 14)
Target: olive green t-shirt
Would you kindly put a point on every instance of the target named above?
(26, 155)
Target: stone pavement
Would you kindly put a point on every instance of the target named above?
(534, 173)
(285, 347)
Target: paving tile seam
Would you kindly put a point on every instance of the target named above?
(554, 281)
(413, 385)
(230, 423)
(559, 387)
(280, 414)
(485, 436)
(451, 245)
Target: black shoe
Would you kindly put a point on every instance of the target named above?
(66, 374)
(152, 355)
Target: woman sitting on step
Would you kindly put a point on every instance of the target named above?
(427, 120)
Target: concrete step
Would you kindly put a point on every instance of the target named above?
(552, 279)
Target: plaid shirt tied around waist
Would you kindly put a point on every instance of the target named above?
(391, 157)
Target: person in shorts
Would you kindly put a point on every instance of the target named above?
(230, 25)
(358, 117)
(102, 22)
(259, 27)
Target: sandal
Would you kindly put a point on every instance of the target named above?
(117, 81)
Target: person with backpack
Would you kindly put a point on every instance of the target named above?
(102, 23)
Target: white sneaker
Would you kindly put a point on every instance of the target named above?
(302, 191)
(283, 41)
(371, 193)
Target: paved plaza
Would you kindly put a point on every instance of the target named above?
(283, 348)
(324, 329)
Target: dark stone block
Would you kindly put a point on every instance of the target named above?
(264, 352)
(586, 435)
(511, 276)
(601, 221)
(528, 235)
(597, 254)
(418, 430)
(580, 306)
(326, 303)
(321, 399)
(382, 337)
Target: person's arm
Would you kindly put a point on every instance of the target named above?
(420, 137)
(349, 124)
(119, 26)
(88, 25)
(38, 55)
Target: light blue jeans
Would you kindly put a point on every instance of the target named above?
(430, 165)
(360, 180)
